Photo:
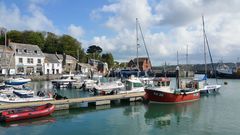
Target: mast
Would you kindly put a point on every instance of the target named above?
(204, 45)
(187, 61)
(145, 45)
(137, 40)
(177, 59)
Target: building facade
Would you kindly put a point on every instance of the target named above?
(143, 62)
(29, 59)
(68, 63)
(52, 65)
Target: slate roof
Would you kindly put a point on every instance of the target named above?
(51, 58)
(68, 57)
(27, 50)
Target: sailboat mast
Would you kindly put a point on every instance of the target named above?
(137, 40)
(204, 44)
(177, 59)
(187, 61)
(145, 45)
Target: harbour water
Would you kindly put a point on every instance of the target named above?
(211, 115)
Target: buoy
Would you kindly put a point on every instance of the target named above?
(225, 83)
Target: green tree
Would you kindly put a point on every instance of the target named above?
(35, 38)
(51, 44)
(94, 51)
(82, 56)
(70, 45)
(15, 36)
(108, 58)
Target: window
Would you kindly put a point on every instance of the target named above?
(20, 60)
(30, 60)
(35, 51)
(39, 61)
(16, 50)
(25, 50)
(137, 85)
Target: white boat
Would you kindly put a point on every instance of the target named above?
(204, 87)
(11, 95)
(109, 87)
(17, 81)
(12, 98)
(64, 81)
(132, 85)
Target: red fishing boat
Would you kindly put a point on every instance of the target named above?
(162, 93)
(27, 113)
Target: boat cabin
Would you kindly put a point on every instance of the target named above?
(133, 84)
(161, 82)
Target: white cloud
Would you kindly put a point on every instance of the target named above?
(169, 26)
(12, 18)
(125, 12)
(76, 31)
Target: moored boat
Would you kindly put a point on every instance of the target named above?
(132, 85)
(109, 87)
(17, 81)
(205, 89)
(162, 93)
(64, 82)
(27, 113)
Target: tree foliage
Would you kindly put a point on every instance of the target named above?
(51, 43)
(108, 58)
(94, 52)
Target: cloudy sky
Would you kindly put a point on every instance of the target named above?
(168, 25)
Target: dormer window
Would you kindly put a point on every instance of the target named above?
(25, 50)
(35, 51)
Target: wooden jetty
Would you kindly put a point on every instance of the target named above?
(65, 104)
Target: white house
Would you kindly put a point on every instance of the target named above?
(52, 64)
(28, 58)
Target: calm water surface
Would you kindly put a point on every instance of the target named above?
(211, 115)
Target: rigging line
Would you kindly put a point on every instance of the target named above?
(206, 43)
(215, 74)
(145, 45)
(137, 42)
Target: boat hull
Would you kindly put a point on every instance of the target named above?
(27, 113)
(18, 81)
(164, 97)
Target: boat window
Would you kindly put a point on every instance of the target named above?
(168, 83)
(64, 77)
(163, 83)
(137, 85)
(128, 85)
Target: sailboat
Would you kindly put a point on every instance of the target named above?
(206, 88)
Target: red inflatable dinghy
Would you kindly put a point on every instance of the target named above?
(27, 113)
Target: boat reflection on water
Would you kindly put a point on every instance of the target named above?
(165, 115)
(29, 122)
